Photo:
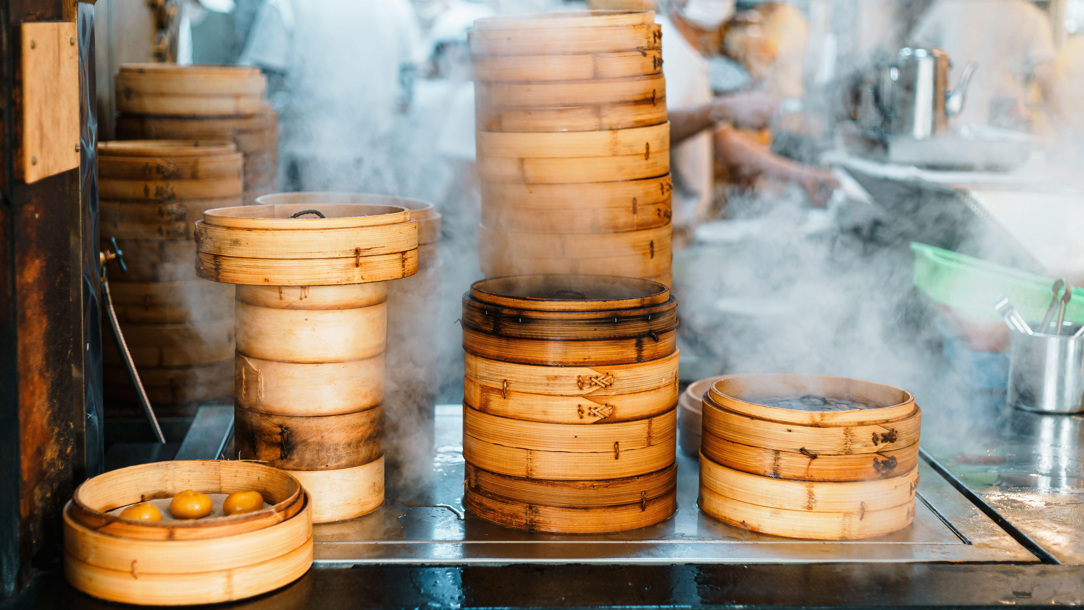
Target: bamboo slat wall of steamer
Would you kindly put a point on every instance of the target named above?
(179, 328)
(570, 402)
(167, 101)
(573, 145)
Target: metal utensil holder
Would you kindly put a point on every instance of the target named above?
(1046, 373)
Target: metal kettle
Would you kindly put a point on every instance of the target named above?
(914, 98)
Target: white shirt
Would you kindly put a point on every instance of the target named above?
(1008, 39)
(688, 85)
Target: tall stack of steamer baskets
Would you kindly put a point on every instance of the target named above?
(815, 473)
(570, 402)
(167, 101)
(179, 328)
(573, 145)
(311, 327)
(410, 359)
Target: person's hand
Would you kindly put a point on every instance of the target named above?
(818, 186)
(748, 110)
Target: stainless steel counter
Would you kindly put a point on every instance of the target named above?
(427, 525)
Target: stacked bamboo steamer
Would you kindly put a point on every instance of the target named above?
(410, 359)
(179, 328)
(167, 101)
(823, 471)
(573, 145)
(181, 562)
(311, 328)
(690, 414)
(570, 402)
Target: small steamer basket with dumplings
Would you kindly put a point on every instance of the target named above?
(311, 329)
(180, 562)
(812, 457)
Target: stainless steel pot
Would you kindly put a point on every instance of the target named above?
(1046, 373)
(914, 97)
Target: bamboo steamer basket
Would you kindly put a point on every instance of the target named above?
(173, 79)
(561, 433)
(564, 40)
(645, 267)
(645, 243)
(806, 524)
(822, 496)
(300, 326)
(157, 260)
(147, 126)
(179, 159)
(569, 117)
(628, 194)
(575, 170)
(168, 190)
(624, 64)
(533, 517)
(690, 414)
(571, 93)
(573, 221)
(809, 466)
(429, 220)
(559, 145)
(211, 560)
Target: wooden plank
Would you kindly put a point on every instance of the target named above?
(50, 66)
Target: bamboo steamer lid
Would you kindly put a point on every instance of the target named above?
(588, 381)
(645, 243)
(329, 442)
(573, 494)
(564, 40)
(164, 220)
(562, 520)
(559, 145)
(203, 561)
(528, 68)
(572, 117)
(625, 194)
(564, 466)
(805, 524)
(505, 216)
(263, 245)
(429, 220)
(821, 496)
(571, 438)
(809, 466)
(571, 93)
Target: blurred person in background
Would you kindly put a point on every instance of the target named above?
(703, 126)
(1013, 43)
(347, 79)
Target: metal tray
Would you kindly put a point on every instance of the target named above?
(426, 525)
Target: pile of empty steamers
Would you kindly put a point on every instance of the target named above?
(571, 404)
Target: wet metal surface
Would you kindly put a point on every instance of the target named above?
(428, 525)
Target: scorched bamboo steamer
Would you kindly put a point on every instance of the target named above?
(558, 145)
(528, 68)
(571, 117)
(809, 466)
(210, 560)
(563, 520)
(328, 442)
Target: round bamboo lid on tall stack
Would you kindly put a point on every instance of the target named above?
(570, 402)
(179, 328)
(813, 457)
(573, 145)
(410, 359)
(203, 102)
(311, 328)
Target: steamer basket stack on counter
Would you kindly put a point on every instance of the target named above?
(167, 101)
(690, 414)
(411, 358)
(311, 330)
(170, 562)
(570, 402)
(573, 145)
(810, 457)
(179, 328)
